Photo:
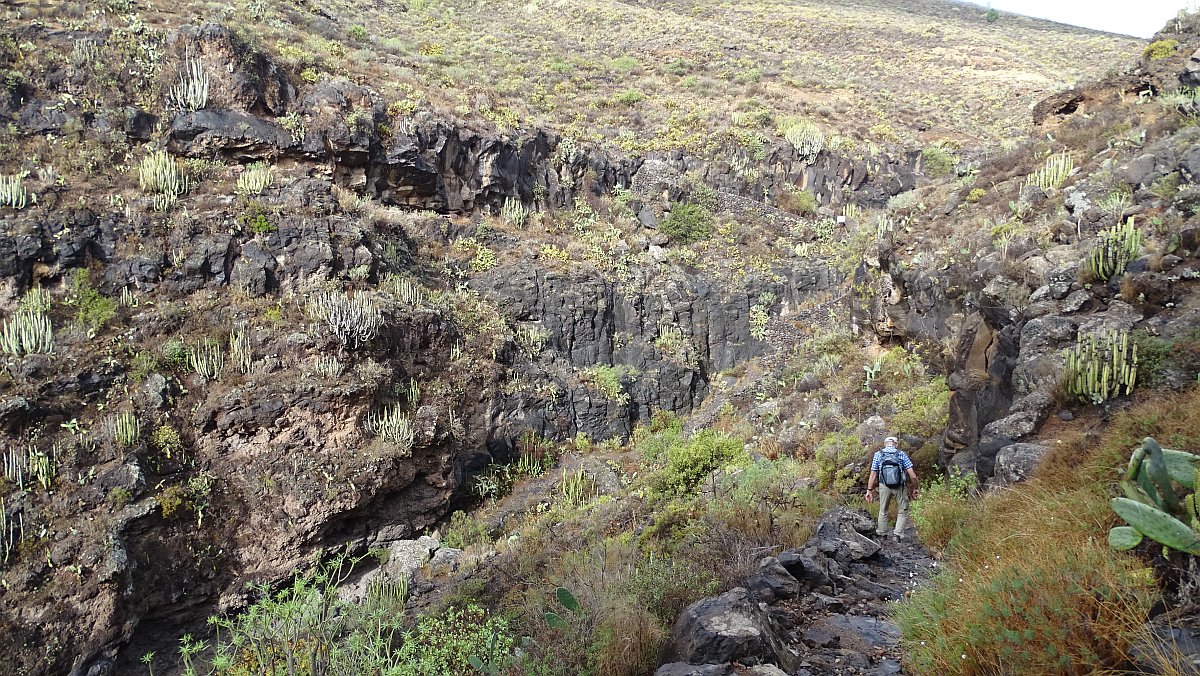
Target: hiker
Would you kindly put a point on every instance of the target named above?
(893, 470)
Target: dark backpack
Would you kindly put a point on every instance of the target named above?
(891, 474)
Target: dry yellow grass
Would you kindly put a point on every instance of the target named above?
(1031, 584)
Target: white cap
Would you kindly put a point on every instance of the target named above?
(891, 439)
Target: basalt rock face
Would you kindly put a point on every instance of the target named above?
(668, 332)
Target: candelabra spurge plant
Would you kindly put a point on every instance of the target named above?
(26, 333)
(1115, 249)
(12, 192)
(1152, 506)
(1101, 366)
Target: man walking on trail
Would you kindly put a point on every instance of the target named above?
(892, 469)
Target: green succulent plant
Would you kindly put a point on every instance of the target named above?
(1152, 506)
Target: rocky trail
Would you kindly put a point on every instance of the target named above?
(822, 608)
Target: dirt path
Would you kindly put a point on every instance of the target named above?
(843, 626)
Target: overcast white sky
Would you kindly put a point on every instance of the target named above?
(1130, 17)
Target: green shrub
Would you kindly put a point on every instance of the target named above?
(841, 459)
(629, 97)
(1160, 49)
(666, 585)
(1153, 354)
(679, 67)
(800, 202)
(443, 644)
(173, 500)
(166, 439)
(689, 462)
(357, 33)
(256, 218)
(922, 410)
(607, 380)
(465, 530)
(764, 499)
(687, 223)
(176, 353)
(294, 631)
(119, 497)
(625, 63)
(975, 195)
(938, 161)
(92, 310)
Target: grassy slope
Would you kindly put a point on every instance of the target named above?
(654, 75)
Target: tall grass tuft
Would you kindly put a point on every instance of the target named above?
(1030, 584)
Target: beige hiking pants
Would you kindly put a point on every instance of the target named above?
(901, 496)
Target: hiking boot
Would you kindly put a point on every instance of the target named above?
(897, 537)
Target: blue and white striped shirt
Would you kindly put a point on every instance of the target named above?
(901, 457)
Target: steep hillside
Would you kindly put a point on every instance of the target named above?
(294, 285)
(660, 75)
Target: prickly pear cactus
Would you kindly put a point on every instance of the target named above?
(1124, 538)
(1152, 506)
(1156, 525)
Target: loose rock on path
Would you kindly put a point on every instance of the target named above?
(819, 609)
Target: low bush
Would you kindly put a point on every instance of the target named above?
(92, 309)
(756, 512)
(687, 463)
(444, 644)
(1160, 49)
(922, 410)
(687, 223)
(942, 507)
(800, 202)
(938, 161)
(841, 460)
(1153, 355)
(607, 380)
(465, 531)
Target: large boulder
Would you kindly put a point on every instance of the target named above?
(727, 628)
(1015, 462)
(685, 669)
(840, 535)
(772, 581)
